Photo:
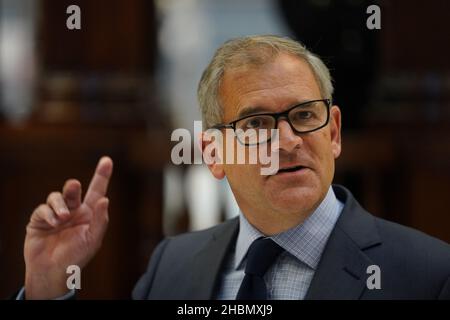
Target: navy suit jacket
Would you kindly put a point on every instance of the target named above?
(412, 264)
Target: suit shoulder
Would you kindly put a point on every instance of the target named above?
(179, 254)
(202, 235)
(185, 243)
(414, 245)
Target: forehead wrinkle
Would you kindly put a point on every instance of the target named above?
(256, 87)
(266, 99)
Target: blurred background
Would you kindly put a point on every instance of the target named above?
(128, 77)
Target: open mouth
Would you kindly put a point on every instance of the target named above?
(291, 169)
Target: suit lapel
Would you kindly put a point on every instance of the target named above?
(341, 273)
(207, 262)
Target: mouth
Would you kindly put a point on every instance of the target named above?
(290, 169)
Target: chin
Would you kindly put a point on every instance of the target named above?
(294, 200)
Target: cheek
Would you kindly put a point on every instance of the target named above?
(323, 152)
(241, 173)
(244, 180)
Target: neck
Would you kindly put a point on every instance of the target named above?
(273, 223)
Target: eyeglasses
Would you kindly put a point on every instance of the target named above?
(256, 129)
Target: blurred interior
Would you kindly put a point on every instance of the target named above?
(122, 83)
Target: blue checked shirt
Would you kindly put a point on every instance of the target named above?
(291, 274)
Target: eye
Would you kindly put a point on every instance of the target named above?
(304, 115)
(255, 123)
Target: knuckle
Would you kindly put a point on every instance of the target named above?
(52, 196)
(40, 208)
(28, 227)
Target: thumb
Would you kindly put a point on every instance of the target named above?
(99, 222)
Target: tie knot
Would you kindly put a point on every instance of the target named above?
(261, 254)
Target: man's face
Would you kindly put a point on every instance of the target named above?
(275, 87)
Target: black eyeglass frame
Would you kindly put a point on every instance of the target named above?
(277, 116)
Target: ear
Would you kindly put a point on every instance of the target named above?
(210, 154)
(335, 129)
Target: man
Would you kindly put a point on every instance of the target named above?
(297, 236)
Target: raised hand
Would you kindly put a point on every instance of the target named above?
(65, 231)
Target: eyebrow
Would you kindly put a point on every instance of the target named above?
(246, 111)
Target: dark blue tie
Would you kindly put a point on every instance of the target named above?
(261, 254)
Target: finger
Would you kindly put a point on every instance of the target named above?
(72, 194)
(99, 183)
(56, 201)
(43, 217)
(99, 221)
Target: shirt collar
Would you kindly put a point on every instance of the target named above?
(305, 241)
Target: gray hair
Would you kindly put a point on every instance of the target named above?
(252, 50)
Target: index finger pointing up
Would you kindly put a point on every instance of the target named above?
(99, 183)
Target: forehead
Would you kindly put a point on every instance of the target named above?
(274, 86)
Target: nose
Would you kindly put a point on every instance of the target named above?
(289, 140)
